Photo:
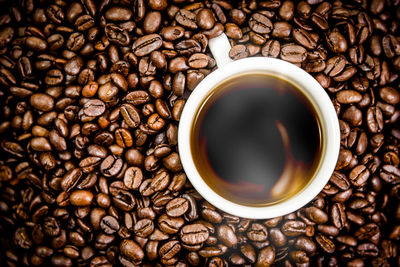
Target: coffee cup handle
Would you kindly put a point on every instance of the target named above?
(220, 48)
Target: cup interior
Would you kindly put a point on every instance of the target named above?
(322, 105)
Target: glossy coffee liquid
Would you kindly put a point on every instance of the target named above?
(256, 140)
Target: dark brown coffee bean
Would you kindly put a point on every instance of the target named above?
(117, 35)
(172, 162)
(271, 49)
(194, 234)
(227, 236)
(111, 166)
(390, 174)
(257, 232)
(293, 53)
(265, 257)
(186, 18)
(338, 215)
(367, 250)
(42, 102)
(177, 207)
(293, 228)
(205, 19)
(198, 61)
(172, 33)
(260, 23)
(374, 119)
(305, 244)
(155, 122)
(325, 243)
(117, 13)
(348, 96)
(170, 225)
(133, 177)
(316, 215)
(303, 38)
(109, 224)
(81, 198)
(144, 227)
(160, 180)
(131, 115)
(147, 44)
(169, 250)
(131, 251)
(389, 95)
(238, 52)
(359, 175)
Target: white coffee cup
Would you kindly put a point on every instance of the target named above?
(227, 69)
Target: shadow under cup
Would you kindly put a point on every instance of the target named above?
(256, 139)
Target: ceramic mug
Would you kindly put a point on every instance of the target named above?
(227, 69)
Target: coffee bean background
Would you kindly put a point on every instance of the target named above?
(91, 93)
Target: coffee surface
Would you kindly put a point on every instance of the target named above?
(256, 140)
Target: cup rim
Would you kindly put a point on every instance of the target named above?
(316, 94)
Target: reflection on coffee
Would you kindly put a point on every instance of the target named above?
(256, 140)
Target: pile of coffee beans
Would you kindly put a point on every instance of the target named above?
(91, 93)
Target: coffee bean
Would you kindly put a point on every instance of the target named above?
(338, 215)
(133, 177)
(131, 250)
(186, 18)
(227, 236)
(348, 96)
(293, 53)
(131, 115)
(111, 166)
(193, 234)
(257, 232)
(293, 228)
(266, 257)
(109, 224)
(205, 19)
(316, 215)
(169, 250)
(42, 102)
(325, 243)
(81, 198)
(144, 227)
(238, 52)
(177, 207)
(146, 44)
(260, 23)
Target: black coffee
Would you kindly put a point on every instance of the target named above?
(256, 140)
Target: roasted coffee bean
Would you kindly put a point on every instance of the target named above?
(147, 44)
(109, 224)
(260, 23)
(293, 228)
(111, 166)
(131, 251)
(304, 38)
(293, 53)
(133, 177)
(266, 257)
(177, 207)
(257, 232)
(325, 243)
(144, 227)
(81, 198)
(186, 18)
(131, 115)
(194, 234)
(227, 236)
